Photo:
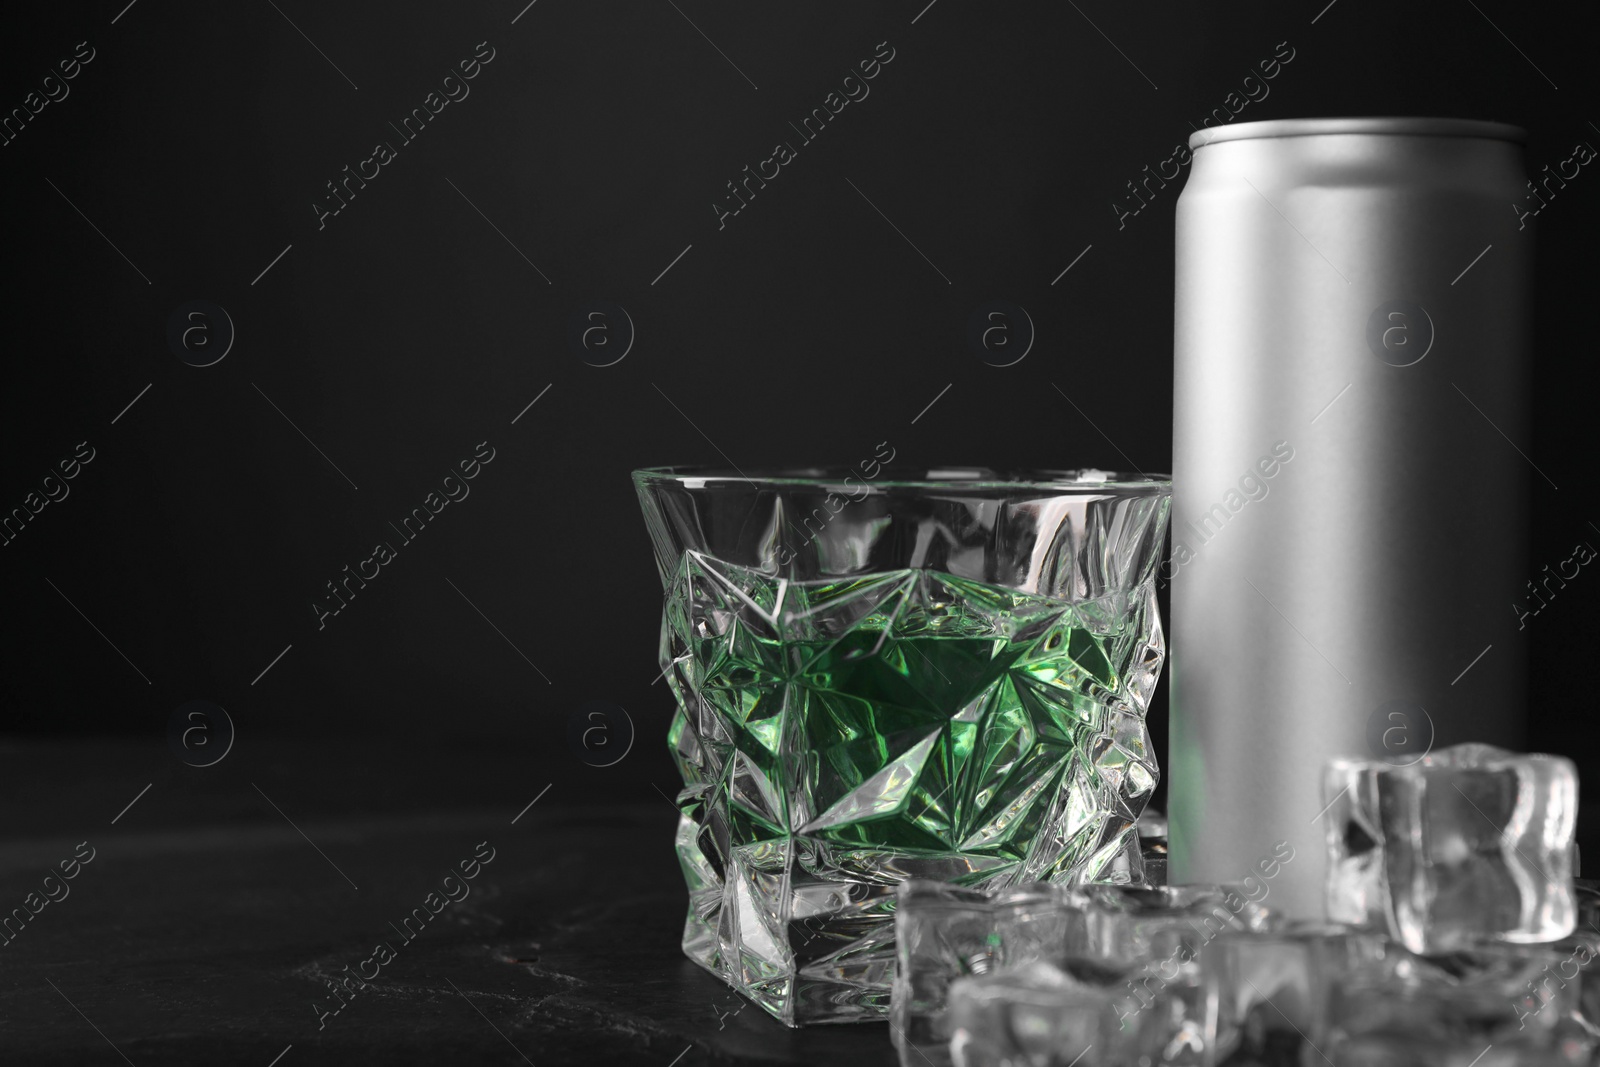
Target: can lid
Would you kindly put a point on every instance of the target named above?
(1418, 127)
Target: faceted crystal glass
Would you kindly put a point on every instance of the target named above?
(940, 675)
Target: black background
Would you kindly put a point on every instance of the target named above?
(412, 327)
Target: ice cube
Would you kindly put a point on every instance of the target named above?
(1041, 1015)
(1169, 929)
(1452, 1008)
(1266, 994)
(1467, 843)
(944, 932)
(1141, 922)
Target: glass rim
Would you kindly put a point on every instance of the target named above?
(1086, 480)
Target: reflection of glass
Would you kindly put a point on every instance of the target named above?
(942, 677)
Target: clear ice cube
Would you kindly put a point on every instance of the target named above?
(1504, 1003)
(1143, 922)
(1467, 843)
(1041, 1015)
(945, 932)
(1266, 994)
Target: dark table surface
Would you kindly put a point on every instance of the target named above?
(220, 903)
(217, 907)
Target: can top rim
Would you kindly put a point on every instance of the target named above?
(1416, 127)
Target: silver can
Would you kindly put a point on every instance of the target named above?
(1350, 494)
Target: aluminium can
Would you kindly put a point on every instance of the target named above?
(1350, 492)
